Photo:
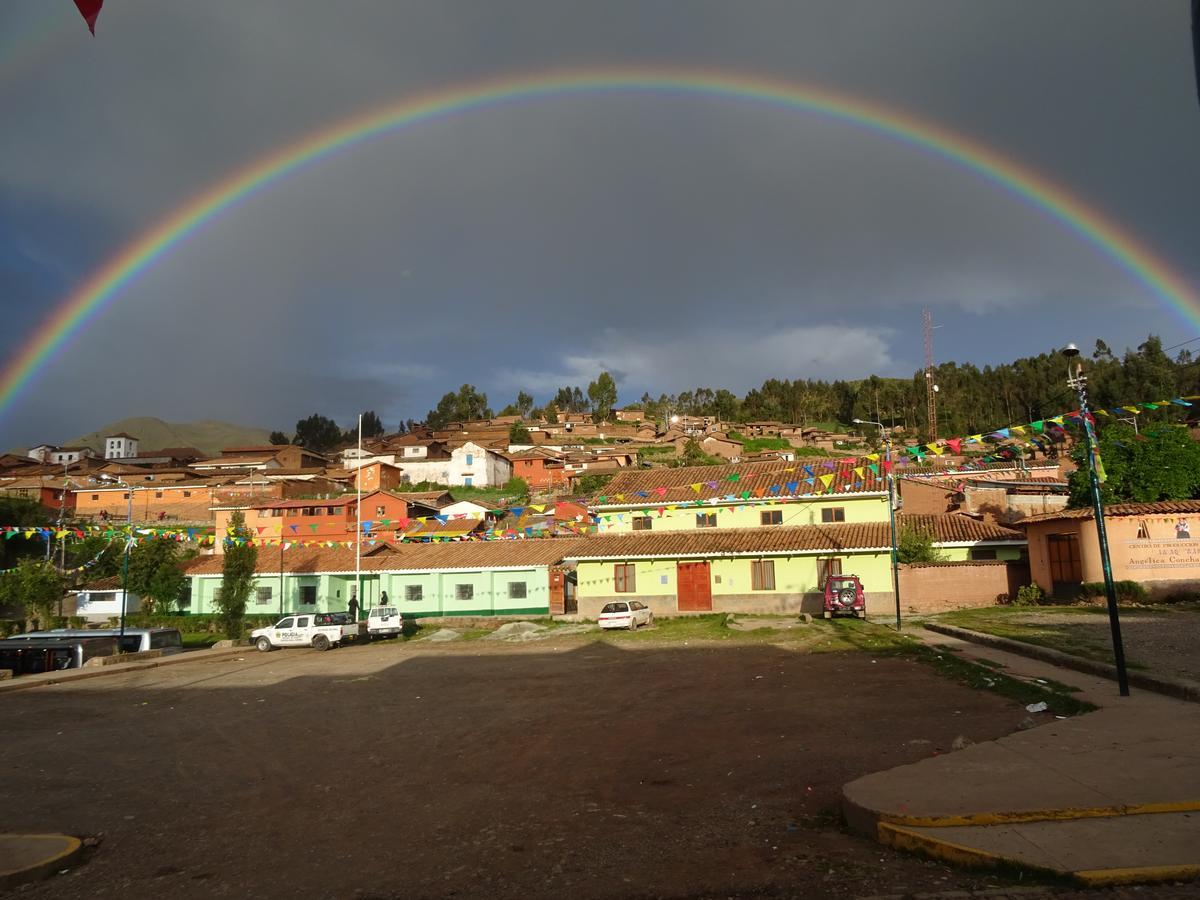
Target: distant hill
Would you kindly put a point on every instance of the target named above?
(155, 434)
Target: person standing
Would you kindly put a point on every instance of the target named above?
(353, 607)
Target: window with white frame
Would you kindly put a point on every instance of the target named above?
(516, 590)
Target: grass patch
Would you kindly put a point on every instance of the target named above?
(1002, 621)
(199, 640)
(1057, 696)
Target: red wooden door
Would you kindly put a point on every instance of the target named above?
(558, 605)
(694, 592)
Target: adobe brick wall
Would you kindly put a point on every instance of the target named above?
(940, 587)
(926, 499)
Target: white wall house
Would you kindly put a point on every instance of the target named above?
(59, 456)
(64, 456)
(352, 459)
(468, 508)
(468, 466)
(120, 446)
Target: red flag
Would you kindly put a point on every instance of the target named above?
(89, 9)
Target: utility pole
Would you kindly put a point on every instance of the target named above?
(885, 438)
(1077, 381)
(358, 531)
(931, 388)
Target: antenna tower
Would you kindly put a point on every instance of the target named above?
(930, 386)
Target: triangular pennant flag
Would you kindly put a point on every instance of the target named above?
(825, 480)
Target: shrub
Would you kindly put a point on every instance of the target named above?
(1029, 595)
(10, 627)
(1126, 591)
(76, 622)
(917, 545)
(202, 623)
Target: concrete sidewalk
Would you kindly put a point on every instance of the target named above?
(1115, 794)
(27, 857)
(43, 679)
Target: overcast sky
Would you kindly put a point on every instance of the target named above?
(676, 241)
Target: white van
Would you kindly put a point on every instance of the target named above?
(384, 621)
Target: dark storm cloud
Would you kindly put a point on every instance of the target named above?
(676, 241)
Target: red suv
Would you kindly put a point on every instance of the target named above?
(844, 596)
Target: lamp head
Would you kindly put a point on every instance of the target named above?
(859, 422)
(1070, 351)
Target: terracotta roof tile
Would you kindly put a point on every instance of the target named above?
(629, 487)
(947, 529)
(1158, 508)
(387, 557)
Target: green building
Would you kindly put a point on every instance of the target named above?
(473, 578)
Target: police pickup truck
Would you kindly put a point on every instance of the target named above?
(317, 630)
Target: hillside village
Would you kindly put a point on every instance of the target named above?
(754, 530)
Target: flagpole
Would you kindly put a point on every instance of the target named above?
(358, 518)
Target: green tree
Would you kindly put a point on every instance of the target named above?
(372, 427)
(318, 433)
(34, 587)
(915, 545)
(603, 396)
(524, 403)
(102, 555)
(237, 576)
(467, 405)
(693, 455)
(1161, 464)
(519, 434)
(154, 574)
(590, 485)
(17, 511)
(278, 438)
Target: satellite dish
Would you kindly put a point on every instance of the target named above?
(936, 389)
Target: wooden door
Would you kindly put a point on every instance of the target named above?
(558, 594)
(694, 587)
(1066, 568)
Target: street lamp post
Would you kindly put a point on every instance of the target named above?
(886, 438)
(1078, 382)
(128, 543)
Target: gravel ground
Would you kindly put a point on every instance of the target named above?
(560, 768)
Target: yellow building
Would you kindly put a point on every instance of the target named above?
(749, 495)
(764, 570)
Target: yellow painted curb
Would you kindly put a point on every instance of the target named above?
(1138, 875)
(901, 838)
(1042, 815)
(46, 865)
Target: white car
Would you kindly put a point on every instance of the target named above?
(384, 621)
(625, 614)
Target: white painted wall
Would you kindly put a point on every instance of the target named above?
(483, 467)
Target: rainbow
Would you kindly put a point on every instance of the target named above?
(104, 285)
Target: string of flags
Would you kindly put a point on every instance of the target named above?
(827, 473)
(77, 569)
(199, 535)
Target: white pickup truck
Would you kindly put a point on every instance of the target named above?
(317, 630)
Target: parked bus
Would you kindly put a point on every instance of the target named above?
(135, 640)
(24, 655)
